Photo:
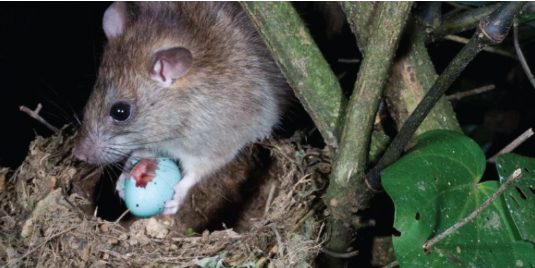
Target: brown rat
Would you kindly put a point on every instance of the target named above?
(191, 81)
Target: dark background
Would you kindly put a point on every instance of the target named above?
(50, 52)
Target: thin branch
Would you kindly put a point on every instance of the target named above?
(509, 148)
(270, 198)
(120, 217)
(492, 30)
(463, 40)
(36, 116)
(513, 177)
(392, 264)
(309, 214)
(521, 56)
(338, 255)
(475, 91)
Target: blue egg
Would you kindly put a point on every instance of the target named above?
(150, 185)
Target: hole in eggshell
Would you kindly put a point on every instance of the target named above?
(526, 169)
(418, 216)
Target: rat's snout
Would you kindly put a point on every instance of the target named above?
(85, 152)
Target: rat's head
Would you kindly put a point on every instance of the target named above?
(129, 103)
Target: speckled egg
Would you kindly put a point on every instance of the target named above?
(150, 185)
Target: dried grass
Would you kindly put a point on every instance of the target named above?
(47, 222)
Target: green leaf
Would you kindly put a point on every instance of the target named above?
(434, 186)
(520, 196)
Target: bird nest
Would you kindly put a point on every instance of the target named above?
(264, 207)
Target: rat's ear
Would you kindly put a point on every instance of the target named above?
(171, 64)
(114, 21)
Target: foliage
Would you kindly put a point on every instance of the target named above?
(520, 197)
(435, 185)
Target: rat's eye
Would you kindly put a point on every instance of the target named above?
(120, 111)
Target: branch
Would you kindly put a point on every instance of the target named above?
(462, 40)
(475, 91)
(509, 148)
(462, 21)
(350, 162)
(360, 16)
(411, 77)
(429, 15)
(302, 64)
(513, 177)
(36, 116)
(521, 56)
(492, 30)
(468, 20)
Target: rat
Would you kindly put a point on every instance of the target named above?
(189, 81)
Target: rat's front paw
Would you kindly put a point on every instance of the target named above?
(172, 206)
(181, 191)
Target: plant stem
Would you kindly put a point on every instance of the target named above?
(513, 177)
(521, 56)
(351, 159)
(360, 16)
(302, 64)
(492, 30)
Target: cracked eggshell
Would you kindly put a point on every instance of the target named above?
(150, 185)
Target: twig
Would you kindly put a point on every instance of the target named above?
(279, 241)
(35, 248)
(513, 177)
(509, 148)
(344, 255)
(121, 217)
(492, 30)
(320, 231)
(460, 95)
(521, 55)
(36, 116)
(269, 200)
(349, 60)
(463, 40)
(309, 214)
(392, 264)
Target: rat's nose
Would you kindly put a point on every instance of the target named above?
(82, 153)
(79, 154)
